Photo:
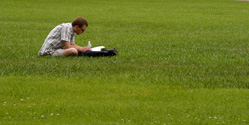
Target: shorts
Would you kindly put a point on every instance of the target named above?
(58, 52)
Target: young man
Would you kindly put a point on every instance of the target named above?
(61, 40)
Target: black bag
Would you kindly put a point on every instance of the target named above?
(103, 52)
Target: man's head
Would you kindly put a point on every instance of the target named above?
(79, 25)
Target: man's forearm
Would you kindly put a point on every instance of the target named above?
(83, 49)
(79, 48)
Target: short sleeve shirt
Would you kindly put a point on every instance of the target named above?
(56, 39)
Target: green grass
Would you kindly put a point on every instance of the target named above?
(71, 102)
(180, 62)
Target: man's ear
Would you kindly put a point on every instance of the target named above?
(75, 27)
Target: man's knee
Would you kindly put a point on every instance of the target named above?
(71, 51)
(74, 51)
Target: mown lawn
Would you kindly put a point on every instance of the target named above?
(179, 62)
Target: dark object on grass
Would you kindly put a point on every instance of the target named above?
(103, 52)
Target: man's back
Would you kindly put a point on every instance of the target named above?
(55, 39)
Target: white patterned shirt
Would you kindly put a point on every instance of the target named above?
(56, 39)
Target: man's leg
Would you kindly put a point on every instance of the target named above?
(65, 52)
(70, 52)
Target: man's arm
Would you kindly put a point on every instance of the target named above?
(79, 48)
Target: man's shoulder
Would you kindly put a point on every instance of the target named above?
(66, 24)
(63, 25)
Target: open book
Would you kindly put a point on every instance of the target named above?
(98, 48)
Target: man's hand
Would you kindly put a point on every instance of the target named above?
(83, 49)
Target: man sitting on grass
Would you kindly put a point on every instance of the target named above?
(61, 40)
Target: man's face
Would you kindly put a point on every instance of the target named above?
(80, 30)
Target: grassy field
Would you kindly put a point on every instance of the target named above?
(179, 62)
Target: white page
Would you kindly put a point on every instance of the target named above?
(98, 48)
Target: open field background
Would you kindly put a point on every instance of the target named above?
(180, 62)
